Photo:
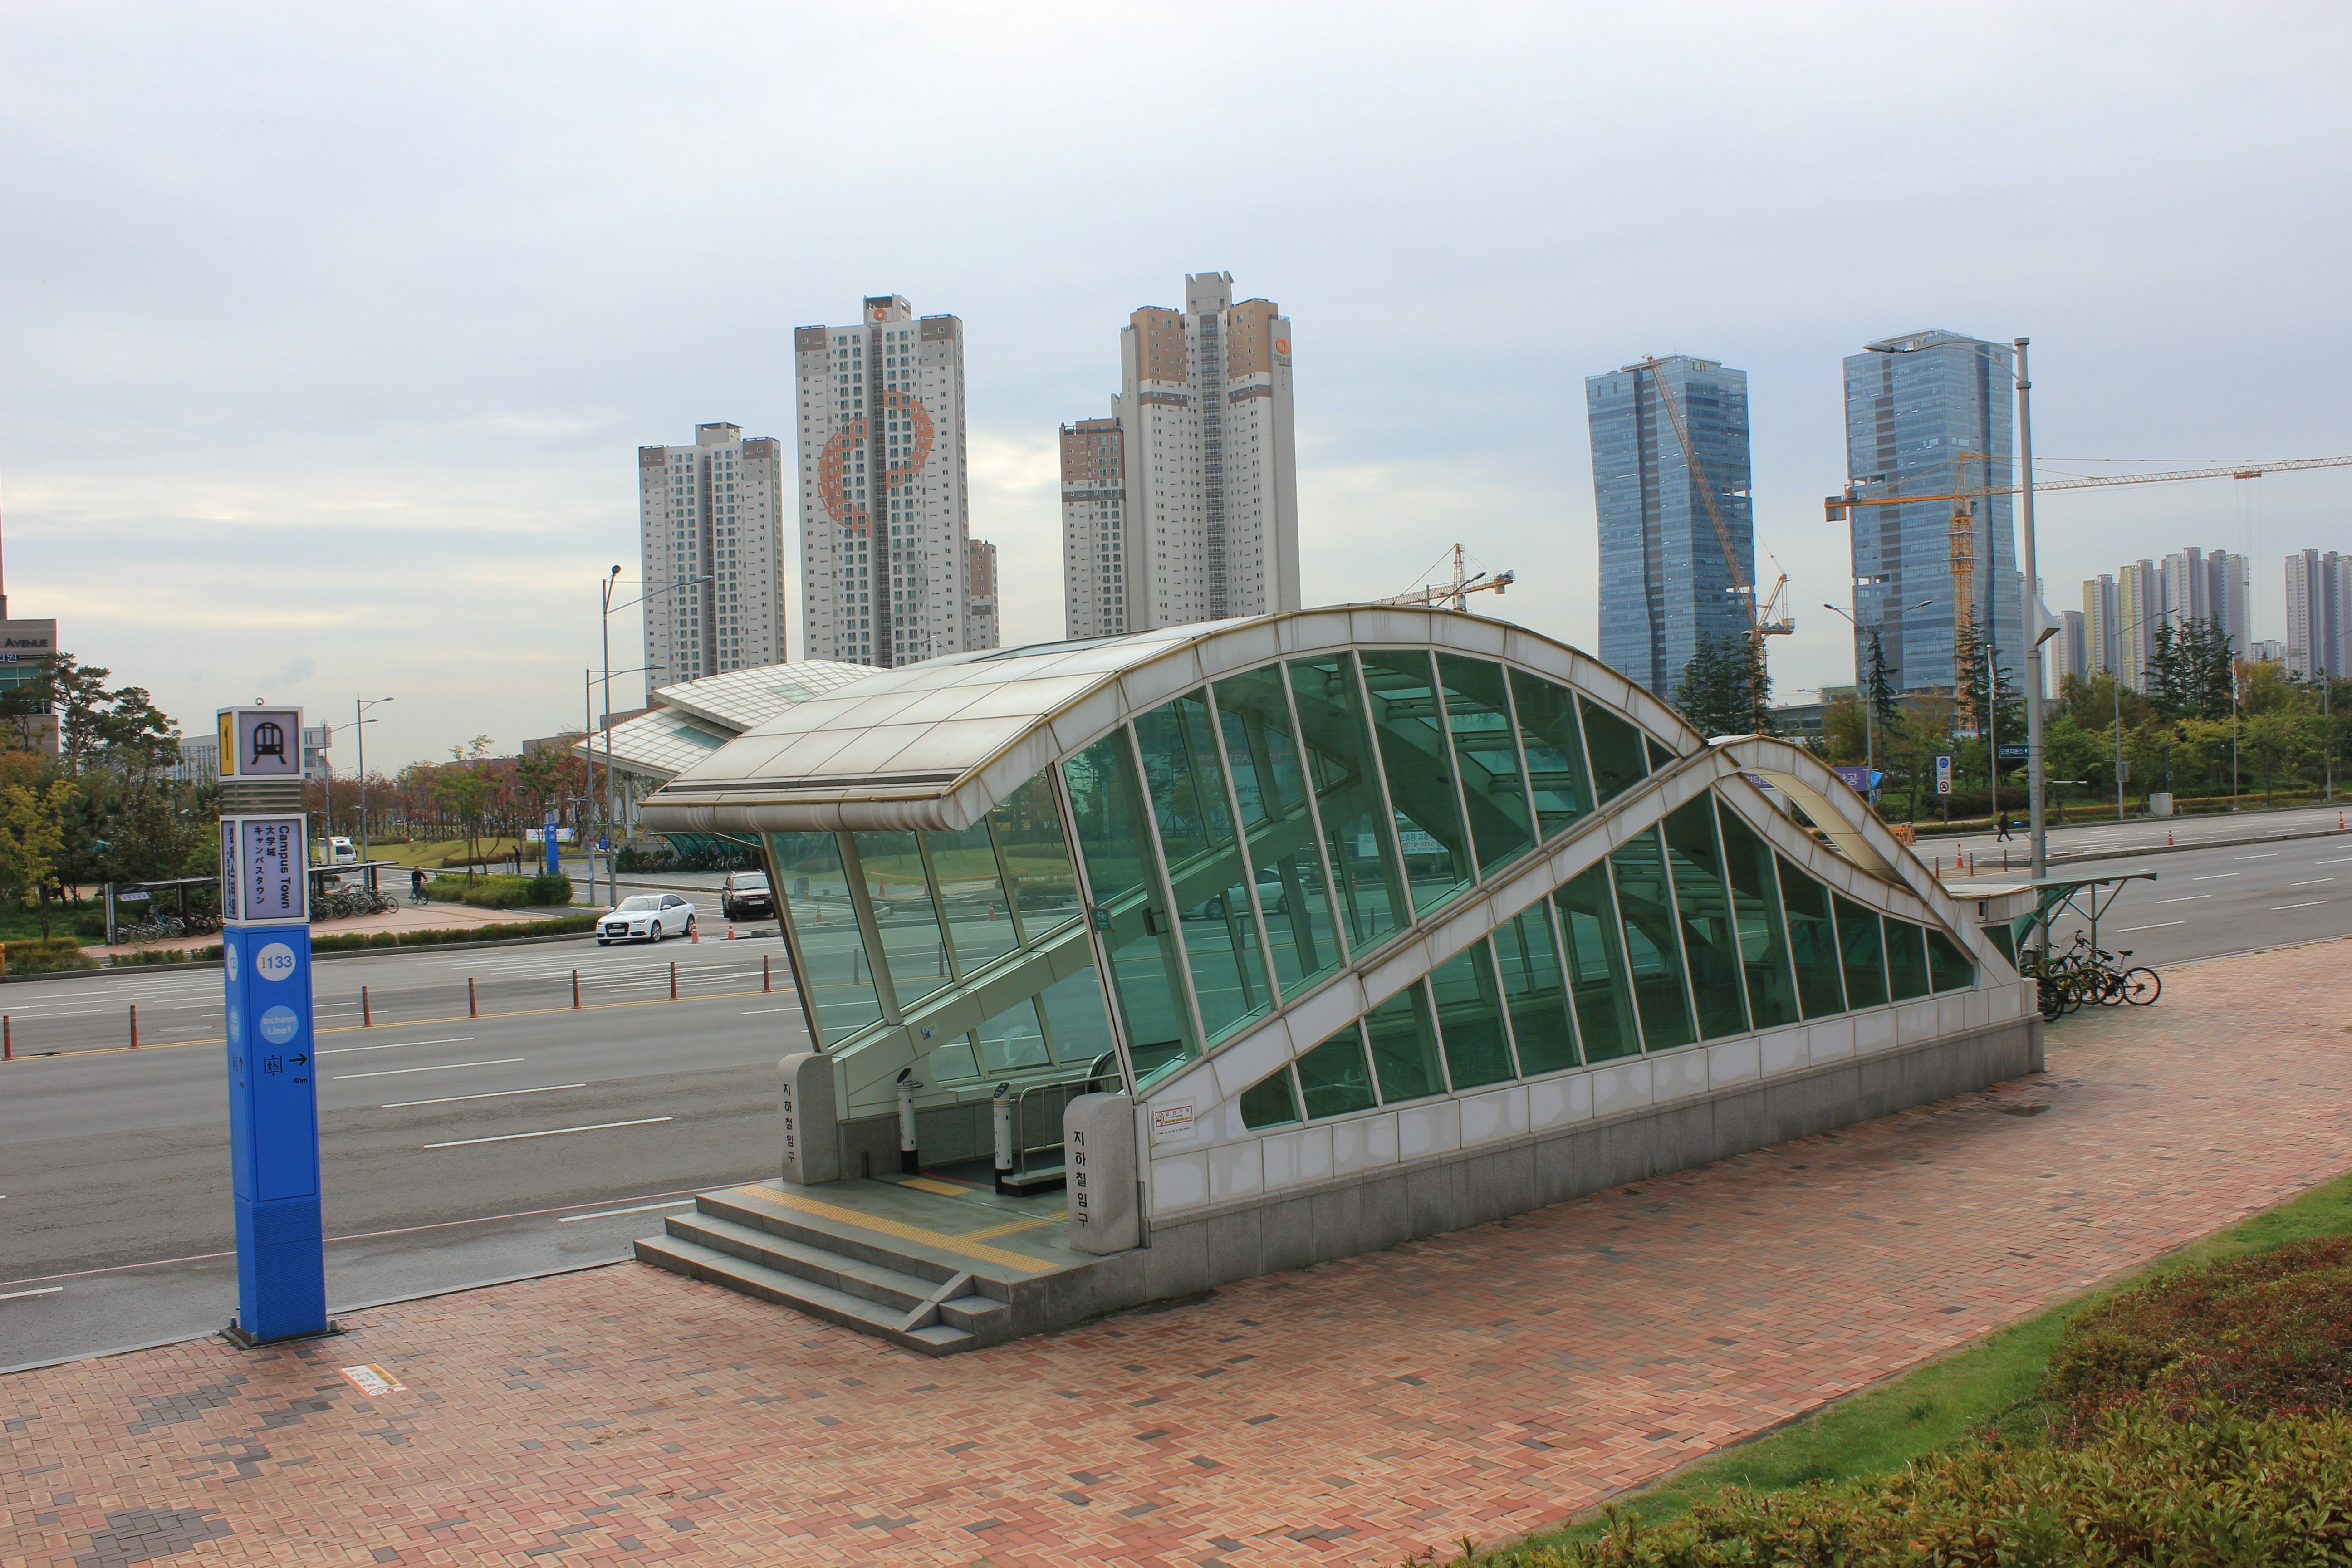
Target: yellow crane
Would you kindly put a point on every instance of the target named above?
(1964, 498)
(1762, 621)
(1456, 593)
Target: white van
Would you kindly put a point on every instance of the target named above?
(342, 852)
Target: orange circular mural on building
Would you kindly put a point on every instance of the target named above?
(838, 483)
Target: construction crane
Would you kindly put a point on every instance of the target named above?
(1762, 621)
(1964, 498)
(1456, 593)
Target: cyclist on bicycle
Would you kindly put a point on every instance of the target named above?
(416, 886)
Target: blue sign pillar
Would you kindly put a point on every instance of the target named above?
(273, 1110)
(273, 1076)
(548, 838)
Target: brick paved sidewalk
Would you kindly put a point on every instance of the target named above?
(1481, 1384)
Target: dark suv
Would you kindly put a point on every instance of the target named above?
(744, 896)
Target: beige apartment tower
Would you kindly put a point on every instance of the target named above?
(1182, 506)
(885, 545)
(712, 510)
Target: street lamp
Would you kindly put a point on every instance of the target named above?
(2035, 635)
(359, 722)
(604, 629)
(1862, 683)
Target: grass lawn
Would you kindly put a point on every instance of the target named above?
(23, 923)
(432, 853)
(1989, 1384)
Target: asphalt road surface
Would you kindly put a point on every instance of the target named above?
(525, 1139)
(523, 1136)
(2141, 832)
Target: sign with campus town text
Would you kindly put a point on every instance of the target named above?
(264, 877)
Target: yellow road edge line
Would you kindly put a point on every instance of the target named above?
(412, 1023)
(957, 1245)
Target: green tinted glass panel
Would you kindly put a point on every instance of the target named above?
(1618, 762)
(1907, 960)
(1075, 1024)
(1596, 967)
(1470, 1019)
(1660, 755)
(1270, 1101)
(1951, 969)
(836, 979)
(1419, 767)
(1333, 1076)
(1654, 949)
(1107, 805)
(1858, 952)
(1287, 872)
(1554, 752)
(1812, 942)
(972, 897)
(1487, 759)
(1343, 772)
(1535, 993)
(1204, 864)
(914, 953)
(956, 1060)
(1405, 1052)
(1013, 1040)
(2003, 939)
(1710, 934)
(1028, 824)
(1763, 940)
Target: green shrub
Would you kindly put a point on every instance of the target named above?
(561, 925)
(90, 923)
(2215, 1489)
(507, 892)
(45, 955)
(166, 955)
(2270, 1332)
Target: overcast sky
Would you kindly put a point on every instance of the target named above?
(329, 332)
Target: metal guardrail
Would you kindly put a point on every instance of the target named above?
(1029, 1119)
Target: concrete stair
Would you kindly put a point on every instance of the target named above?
(910, 1301)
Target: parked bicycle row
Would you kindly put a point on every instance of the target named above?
(2084, 975)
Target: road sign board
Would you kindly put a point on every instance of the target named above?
(2013, 751)
(261, 743)
(263, 876)
(1942, 775)
(273, 1096)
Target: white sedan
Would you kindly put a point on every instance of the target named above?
(646, 917)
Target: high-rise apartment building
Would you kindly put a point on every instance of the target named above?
(2139, 604)
(1928, 414)
(2070, 650)
(1665, 585)
(980, 590)
(2101, 626)
(885, 545)
(710, 529)
(2209, 586)
(2318, 614)
(1183, 505)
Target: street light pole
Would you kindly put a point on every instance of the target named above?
(2029, 619)
(360, 722)
(604, 628)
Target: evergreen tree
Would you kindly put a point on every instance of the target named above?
(1725, 689)
(2191, 668)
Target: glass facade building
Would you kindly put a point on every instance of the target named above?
(1664, 586)
(1928, 414)
(1310, 868)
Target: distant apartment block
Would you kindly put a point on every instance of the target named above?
(979, 591)
(886, 544)
(2101, 628)
(1929, 415)
(2070, 650)
(710, 532)
(1182, 506)
(1665, 585)
(2318, 614)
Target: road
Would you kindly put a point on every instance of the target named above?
(2138, 833)
(457, 1149)
(114, 1162)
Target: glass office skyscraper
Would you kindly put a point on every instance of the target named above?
(1928, 414)
(1665, 585)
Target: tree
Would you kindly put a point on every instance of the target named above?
(1725, 689)
(1878, 689)
(2192, 670)
(32, 831)
(2275, 738)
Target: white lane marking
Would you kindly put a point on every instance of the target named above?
(16, 1295)
(395, 1072)
(338, 1050)
(2158, 926)
(494, 1094)
(551, 1132)
(2313, 904)
(2185, 899)
(2314, 882)
(756, 1012)
(2272, 855)
(2214, 876)
(641, 1208)
(2343, 860)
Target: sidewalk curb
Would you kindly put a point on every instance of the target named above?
(2079, 857)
